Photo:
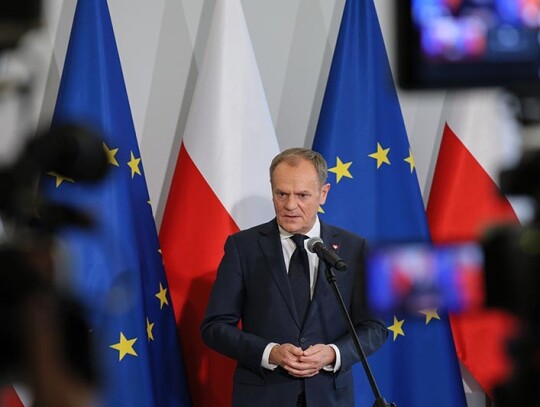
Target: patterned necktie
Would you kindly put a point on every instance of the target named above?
(299, 277)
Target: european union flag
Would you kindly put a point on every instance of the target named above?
(375, 193)
(116, 271)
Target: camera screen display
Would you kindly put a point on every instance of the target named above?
(470, 30)
(412, 277)
(469, 42)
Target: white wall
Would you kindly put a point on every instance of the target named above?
(161, 43)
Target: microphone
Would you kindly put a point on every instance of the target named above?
(316, 245)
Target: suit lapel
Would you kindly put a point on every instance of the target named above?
(270, 244)
(322, 288)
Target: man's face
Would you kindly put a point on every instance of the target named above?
(297, 194)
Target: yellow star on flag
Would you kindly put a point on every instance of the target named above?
(111, 155)
(396, 327)
(149, 328)
(162, 295)
(381, 155)
(430, 313)
(124, 347)
(320, 210)
(134, 165)
(410, 160)
(60, 178)
(341, 169)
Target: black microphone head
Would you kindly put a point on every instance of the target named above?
(312, 242)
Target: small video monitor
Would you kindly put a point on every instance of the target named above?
(412, 277)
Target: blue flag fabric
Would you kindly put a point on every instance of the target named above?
(116, 268)
(375, 193)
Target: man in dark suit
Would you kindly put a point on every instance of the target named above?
(287, 357)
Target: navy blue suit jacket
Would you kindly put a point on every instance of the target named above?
(252, 288)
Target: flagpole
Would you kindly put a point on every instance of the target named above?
(379, 400)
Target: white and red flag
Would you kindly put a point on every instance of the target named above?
(478, 140)
(220, 185)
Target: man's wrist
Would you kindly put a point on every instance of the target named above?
(265, 360)
(334, 367)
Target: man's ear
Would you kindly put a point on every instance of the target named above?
(324, 193)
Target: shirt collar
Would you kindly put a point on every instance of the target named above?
(315, 231)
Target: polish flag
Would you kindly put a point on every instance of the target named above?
(479, 139)
(221, 184)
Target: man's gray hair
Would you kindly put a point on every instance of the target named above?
(293, 156)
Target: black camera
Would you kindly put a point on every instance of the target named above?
(28, 251)
(25, 282)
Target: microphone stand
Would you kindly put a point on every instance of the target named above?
(379, 400)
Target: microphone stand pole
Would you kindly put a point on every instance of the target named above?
(379, 400)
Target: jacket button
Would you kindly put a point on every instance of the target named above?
(302, 340)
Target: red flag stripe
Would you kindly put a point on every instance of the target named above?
(464, 200)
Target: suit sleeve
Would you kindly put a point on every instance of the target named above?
(220, 327)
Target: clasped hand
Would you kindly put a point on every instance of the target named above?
(302, 363)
